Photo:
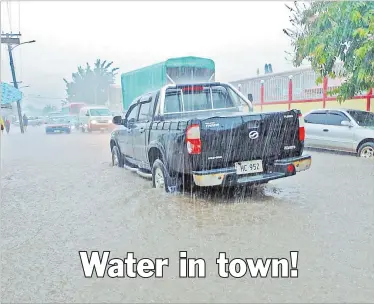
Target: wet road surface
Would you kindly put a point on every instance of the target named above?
(60, 196)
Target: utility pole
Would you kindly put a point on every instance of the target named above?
(13, 39)
(15, 83)
(10, 39)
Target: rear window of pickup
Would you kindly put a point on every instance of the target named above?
(200, 98)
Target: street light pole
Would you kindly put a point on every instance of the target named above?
(16, 86)
(10, 40)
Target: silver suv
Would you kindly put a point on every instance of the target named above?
(341, 130)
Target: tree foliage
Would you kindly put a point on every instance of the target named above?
(91, 85)
(30, 108)
(325, 33)
(49, 109)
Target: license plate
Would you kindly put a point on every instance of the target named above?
(248, 167)
(57, 131)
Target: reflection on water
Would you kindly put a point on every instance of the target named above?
(218, 209)
(230, 195)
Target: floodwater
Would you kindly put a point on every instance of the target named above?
(60, 196)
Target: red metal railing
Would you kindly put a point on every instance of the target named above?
(296, 86)
(324, 90)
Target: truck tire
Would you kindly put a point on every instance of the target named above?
(366, 150)
(117, 158)
(161, 177)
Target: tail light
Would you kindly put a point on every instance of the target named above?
(301, 128)
(193, 140)
(290, 168)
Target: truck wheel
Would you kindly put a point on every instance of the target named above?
(117, 159)
(161, 178)
(366, 150)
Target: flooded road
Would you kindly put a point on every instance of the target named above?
(60, 196)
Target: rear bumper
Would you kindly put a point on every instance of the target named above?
(228, 176)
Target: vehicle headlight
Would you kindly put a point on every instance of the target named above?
(93, 121)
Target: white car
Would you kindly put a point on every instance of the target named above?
(35, 121)
(343, 130)
(95, 118)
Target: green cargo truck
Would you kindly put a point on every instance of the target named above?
(174, 70)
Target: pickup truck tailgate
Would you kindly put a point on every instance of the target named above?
(265, 136)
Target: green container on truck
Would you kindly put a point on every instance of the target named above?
(180, 70)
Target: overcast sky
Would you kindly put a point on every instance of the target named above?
(239, 36)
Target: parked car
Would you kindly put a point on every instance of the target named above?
(57, 124)
(35, 121)
(343, 130)
(95, 118)
(205, 135)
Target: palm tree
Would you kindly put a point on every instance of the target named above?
(91, 85)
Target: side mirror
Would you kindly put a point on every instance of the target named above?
(117, 120)
(250, 97)
(346, 123)
(87, 114)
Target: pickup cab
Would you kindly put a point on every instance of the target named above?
(206, 135)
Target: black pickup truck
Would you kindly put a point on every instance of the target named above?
(207, 135)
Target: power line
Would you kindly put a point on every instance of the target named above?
(9, 15)
(19, 16)
(19, 30)
(10, 7)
